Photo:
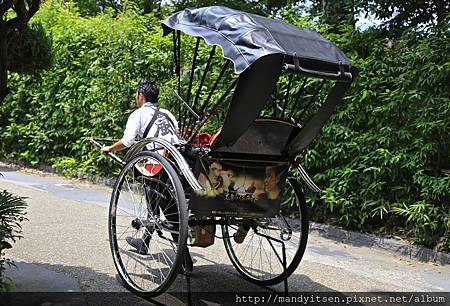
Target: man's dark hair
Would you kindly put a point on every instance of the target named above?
(149, 89)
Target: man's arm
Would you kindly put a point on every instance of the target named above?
(127, 140)
(117, 146)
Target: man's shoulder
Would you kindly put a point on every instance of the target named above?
(167, 112)
(145, 109)
(149, 109)
(134, 114)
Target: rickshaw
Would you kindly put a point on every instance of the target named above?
(279, 84)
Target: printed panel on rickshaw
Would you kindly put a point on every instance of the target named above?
(237, 188)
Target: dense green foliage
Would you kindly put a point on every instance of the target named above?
(400, 15)
(385, 154)
(383, 159)
(93, 7)
(12, 213)
(88, 91)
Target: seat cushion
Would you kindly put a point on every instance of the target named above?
(265, 136)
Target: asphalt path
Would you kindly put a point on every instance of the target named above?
(65, 248)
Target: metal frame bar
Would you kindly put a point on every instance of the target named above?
(307, 179)
(274, 98)
(318, 89)
(339, 75)
(286, 95)
(290, 118)
(297, 98)
(179, 59)
(184, 119)
(208, 64)
(213, 89)
(213, 109)
(175, 153)
(199, 89)
(206, 102)
(177, 55)
(283, 254)
(186, 105)
(312, 127)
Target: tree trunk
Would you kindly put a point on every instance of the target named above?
(17, 24)
(336, 11)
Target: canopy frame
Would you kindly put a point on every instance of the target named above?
(257, 75)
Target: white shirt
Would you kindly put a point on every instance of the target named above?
(165, 126)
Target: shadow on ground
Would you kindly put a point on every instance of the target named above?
(211, 284)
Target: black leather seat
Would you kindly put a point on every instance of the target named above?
(266, 137)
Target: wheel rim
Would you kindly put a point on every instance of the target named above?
(146, 204)
(259, 258)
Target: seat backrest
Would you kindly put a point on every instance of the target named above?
(265, 136)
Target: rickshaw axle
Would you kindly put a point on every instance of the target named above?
(151, 225)
(194, 222)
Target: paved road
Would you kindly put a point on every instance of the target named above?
(66, 239)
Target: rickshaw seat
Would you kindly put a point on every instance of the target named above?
(266, 136)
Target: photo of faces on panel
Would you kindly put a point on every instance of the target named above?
(258, 187)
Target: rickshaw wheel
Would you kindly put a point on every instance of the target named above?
(148, 204)
(259, 258)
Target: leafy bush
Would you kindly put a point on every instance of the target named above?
(12, 213)
(89, 90)
(384, 155)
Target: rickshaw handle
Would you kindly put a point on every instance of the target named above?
(186, 105)
(113, 156)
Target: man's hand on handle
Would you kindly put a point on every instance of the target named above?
(117, 146)
(105, 150)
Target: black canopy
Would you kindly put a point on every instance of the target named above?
(260, 48)
(245, 37)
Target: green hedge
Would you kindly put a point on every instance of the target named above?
(383, 159)
(88, 91)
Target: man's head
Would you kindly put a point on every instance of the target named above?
(147, 91)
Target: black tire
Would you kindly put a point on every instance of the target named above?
(262, 270)
(147, 205)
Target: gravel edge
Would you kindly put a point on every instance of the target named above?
(397, 246)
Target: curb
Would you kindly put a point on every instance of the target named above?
(327, 231)
(96, 179)
(32, 277)
(390, 244)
